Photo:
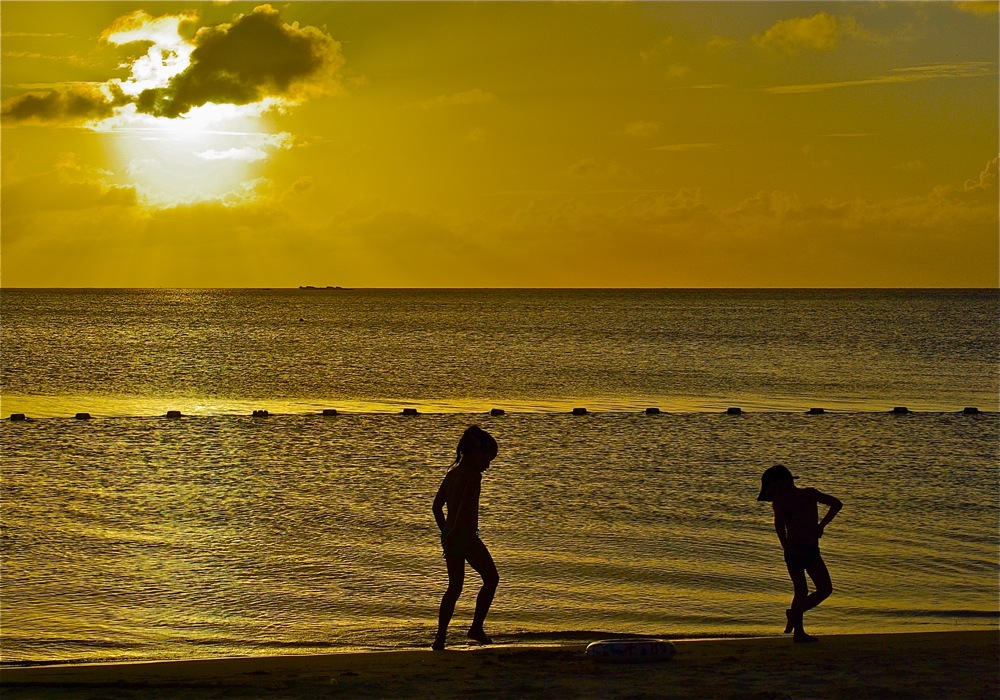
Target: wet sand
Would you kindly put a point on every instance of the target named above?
(916, 665)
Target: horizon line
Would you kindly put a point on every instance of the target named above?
(331, 288)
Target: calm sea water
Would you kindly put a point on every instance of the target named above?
(131, 536)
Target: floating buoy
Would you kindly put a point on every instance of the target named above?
(734, 410)
(82, 416)
(652, 411)
(173, 414)
(261, 413)
(329, 411)
(496, 411)
(968, 410)
(409, 411)
(18, 416)
(579, 411)
(900, 410)
(815, 411)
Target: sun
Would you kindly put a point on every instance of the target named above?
(214, 152)
(210, 152)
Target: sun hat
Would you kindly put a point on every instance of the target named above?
(778, 472)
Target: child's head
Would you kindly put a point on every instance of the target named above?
(476, 446)
(774, 475)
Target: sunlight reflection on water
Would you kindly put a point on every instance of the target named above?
(152, 538)
(208, 352)
(134, 536)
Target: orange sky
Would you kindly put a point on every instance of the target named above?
(527, 144)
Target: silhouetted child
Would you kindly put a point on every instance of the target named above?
(796, 520)
(460, 534)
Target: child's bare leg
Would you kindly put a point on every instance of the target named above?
(823, 588)
(456, 580)
(481, 560)
(820, 576)
(793, 616)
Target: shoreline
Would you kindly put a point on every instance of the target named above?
(913, 664)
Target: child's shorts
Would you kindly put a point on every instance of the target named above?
(801, 556)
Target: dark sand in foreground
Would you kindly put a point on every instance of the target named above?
(919, 665)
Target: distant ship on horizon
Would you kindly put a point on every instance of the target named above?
(309, 286)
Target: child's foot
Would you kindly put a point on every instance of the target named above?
(803, 638)
(480, 636)
(789, 621)
(437, 645)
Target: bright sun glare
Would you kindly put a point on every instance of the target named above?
(208, 153)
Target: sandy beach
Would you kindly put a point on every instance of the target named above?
(916, 665)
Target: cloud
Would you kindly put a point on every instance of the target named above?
(986, 9)
(769, 239)
(912, 166)
(35, 55)
(168, 54)
(687, 147)
(248, 155)
(469, 97)
(641, 128)
(944, 207)
(655, 52)
(75, 103)
(35, 35)
(254, 57)
(720, 43)
(256, 150)
(590, 167)
(677, 70)
(583, 168)
(68, 187)
(818, 33)
(937, 71)
(987, 182)
(682, 207)
(204, 119)
(765, 205)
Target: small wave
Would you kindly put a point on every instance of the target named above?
(582, 636)
(968, 614)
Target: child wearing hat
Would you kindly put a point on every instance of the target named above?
(796, 520)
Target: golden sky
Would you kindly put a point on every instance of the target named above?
(495, 144)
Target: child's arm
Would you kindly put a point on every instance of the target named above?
(833, 507)
(780, 527)
(438, 508)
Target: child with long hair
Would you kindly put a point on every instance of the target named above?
(459, 492)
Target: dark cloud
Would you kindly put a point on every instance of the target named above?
(76, 103)
(254, 57)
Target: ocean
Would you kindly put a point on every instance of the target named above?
(135, 536)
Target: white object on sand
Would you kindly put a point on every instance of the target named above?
(630, 651)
